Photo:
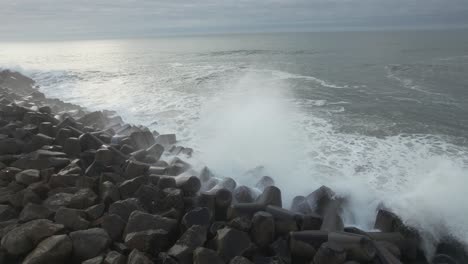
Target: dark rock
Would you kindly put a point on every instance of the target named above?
(198, 216)
(87, 142)
(55, 249)
(47, 129)
(71, 218)
(140, 221)
(125, 207)
(45, 109)
(204, 255)
(104, 156)
(72, 147)
(34, 211)
(89, 243)
(264, 182)
(28, 177)
(241, 223)
(109, 193)
(142, 140)
(189, 184)
(148, 196)
(128, 188)
(58, 200)
(25, 237)
(387, 221)
(83, 199)
(156, 151)
(95, 211)
(150, 241)
(310, 222)
(271, 196)
(138, 257)
(94, 119)
(127, 149)
(95, 260)
(166, 139)
(166, 182)
(330, 253)
(8, 173)
(62, 136)
(214, 227)
(243, 194)
(231, 242)
(7, 213)
(114, 257)
(40, 140)
(135, 169)
(263, 229)
(183, 249)
(10, 146)
(240, 260)
(281, 249)
(114, 226)
(68, 180)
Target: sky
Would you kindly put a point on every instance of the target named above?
(91, 19)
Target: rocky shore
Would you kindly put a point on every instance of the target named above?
(83, 187)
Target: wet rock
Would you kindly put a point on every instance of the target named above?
(114, 226)
(127, 149)
(172, 198)
(150, 241)
(148, 196)
(387, 221)
(330, 253)
(198, 216)
(271, 196)
(10, 146)
(109, 193)
(71, 218)
(310, 222)
(155, 151)
(95, 260)
(87, 142)
(128, 188)
(83, 199)
(40, 140)
(231, 242)
(25, 237)
(240, 260)
(125, 207)
(89, 243)
(8, 174)
(142, 140)
(46, 128)
(138, 257)
(135, 169)
(263, 229)
(95, 211)
(264, 182)
(183, 249)
(72, 147)
(114, 257)
(58, 200)
(204, 255)
(140, 221)
(28, 177)
(7, 213)
(34, 211)
(189, 184)
(177, 167)
(166, 139)
(166, 182)
(55, 249)
(241, 223)
(94, 119)
(62, 136)
(243, 194)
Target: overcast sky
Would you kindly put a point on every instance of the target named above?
(90, 19)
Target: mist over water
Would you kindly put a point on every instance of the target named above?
(379, 128)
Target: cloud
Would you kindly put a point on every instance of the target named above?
(114, 18)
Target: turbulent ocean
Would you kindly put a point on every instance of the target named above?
(380, 117)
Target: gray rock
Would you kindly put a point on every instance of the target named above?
(71, 218)
(128, 188)
(58, 200)
(166, 139)
(72, 147)
(198, 216)
(25, 237)
(28, 177)
(263, 229)
(55, 249)
(125, 207)
(135, 169)
(155, 151)
(231, 242)
(204, 255)
(114, 257)
(142, 139)
(89, 243)
(149, 241)
(330, 253)
(40, 140)
(34, 211)
(140, 221)
(138, 257)
(240, 260)
(7, 213)
(84, 198)
(95, 211)
(95, 260)
(183, 249)
(114, 226)
(62, 136)
(109, 193)
(10, 146)
(243, 194)
(8, 173)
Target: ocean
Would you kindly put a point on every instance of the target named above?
(380, 117)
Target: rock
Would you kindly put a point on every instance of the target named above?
(198, 216)
(177, 167)
(387, 221)
(40, 140)
(271, 196)
(89, 243)
(58, 200)
(183, 249)
(71, 218)
(243, 194)
(204, 255)
(155, 151)
(28, 177)
(148, 196)
(95, 211)
(137, 257)
(10, 146)
(263, 229)
(264, 182)
(72, 147)
(125, 207)
(189, 184)
(62, 136)
(8, 174)
(166, 182)
(135, 169)
(114, 226)
(55, 249)
(7, 213)
(25, 237)
(95, 260)
(109, 193)
(231, 242)
(104, 156)
(330, 253)
(128, 188)
(46, 128)
(281, 249)
(240, 260)
(114, 257)
(142, 140)
(84, 198)
(127, 149)
(94, 119)
(34, 211)
(87, 142)
(241, 223)
(173, 198)
(150, 241)
(140, 221)
(166, 139)
(45, 109)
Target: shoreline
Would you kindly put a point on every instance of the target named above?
(80, 179)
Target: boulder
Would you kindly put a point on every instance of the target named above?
(95, 211)
(28, 177)
(240, 260)
(330, 253)
(140, 221)
(95, 260)
(142, 139)
(264, 182)
(7, 213)
(183, 249)
(71, 218)
(40, 140)
(203, 255)
(243, 194)
(231, 242)
(55, 201)
(83, 199)
(150, 241)
(155, 151)
(125, 207)
(89, 243)
(114, 226)
(197, 216)
(166, 140)
(109, 193)
(55, 249)
(114, 257)
(138, 257)
(34, 211)
(263, 229)
(128, 188)
(72, 147)
(25, 237)
(135, 169)
(10, 146)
